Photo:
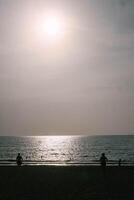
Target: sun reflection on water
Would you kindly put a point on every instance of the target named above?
(57, 148)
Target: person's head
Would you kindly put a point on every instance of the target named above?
(18, 154)
(103, 154)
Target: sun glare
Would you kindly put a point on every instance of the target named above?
(50, 27)
(53, 26)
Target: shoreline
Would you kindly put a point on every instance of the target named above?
(111, 163)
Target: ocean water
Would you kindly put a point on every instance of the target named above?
(80, 149)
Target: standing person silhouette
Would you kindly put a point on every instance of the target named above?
(103, 162)
(19, 159)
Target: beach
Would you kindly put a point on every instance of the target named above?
(66, 183)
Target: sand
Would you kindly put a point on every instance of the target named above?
(66, 183)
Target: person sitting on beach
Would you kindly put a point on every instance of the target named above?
(103, 161)
(19, 159)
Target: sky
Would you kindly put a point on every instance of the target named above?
(78, 82)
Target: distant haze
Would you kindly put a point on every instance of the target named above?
(81, 82)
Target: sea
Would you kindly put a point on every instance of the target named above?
(67, 149)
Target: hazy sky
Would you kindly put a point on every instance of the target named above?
(81, 82)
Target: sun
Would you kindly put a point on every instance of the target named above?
(50, 28)
(53, 27)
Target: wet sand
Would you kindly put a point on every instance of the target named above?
(66, 183)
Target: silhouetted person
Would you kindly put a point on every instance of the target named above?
(103, 162)
(119, 163)
(19, 159)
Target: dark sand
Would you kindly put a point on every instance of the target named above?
(66, 183)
